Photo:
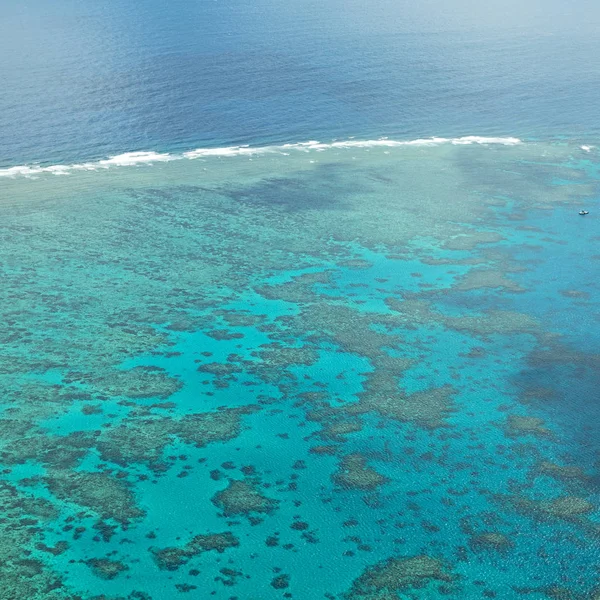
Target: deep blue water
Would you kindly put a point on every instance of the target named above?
(82, 80)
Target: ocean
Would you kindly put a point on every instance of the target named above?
(297, 301)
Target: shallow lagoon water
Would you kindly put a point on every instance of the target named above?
(351, 373)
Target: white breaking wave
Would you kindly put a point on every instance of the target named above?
(129, 159)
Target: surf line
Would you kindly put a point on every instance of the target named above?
(129, 159)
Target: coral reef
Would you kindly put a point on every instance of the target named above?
(392, 577)
(297, 290)
(242, 497)
(144, 440)
(328, 294)
(281, 582)
(339, 429)
(275, 359)
(23, 576)
(107, 496)
(477, 279)
(106, 568)
(139, 382)
(354, 474)
(428, 409)
(490, 540)
(565, 507)
(573, 509)
(520, 425)
(570, 475)
(579, 294)
(417, 311)
(58, 452)
(172, 558)
(501, 322)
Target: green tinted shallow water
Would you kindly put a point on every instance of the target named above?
(355, 373)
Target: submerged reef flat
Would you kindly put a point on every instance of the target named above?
(524, 425)
(355, 474)
(428, 408)
(107, 496)
(24, 576)
(243, 498)
(139, 382)
(173, 558)
(396, 576)
(491, 540)
(564, 507)
(106, 568)
(335, 372)
(143, 440)
(570, 475)
(477, 279)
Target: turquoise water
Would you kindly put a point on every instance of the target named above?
(360, 371)
(296, 301)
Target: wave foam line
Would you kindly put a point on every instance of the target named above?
(129, 159)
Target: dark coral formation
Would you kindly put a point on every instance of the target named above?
(579, 294)
(106, 568)
(243, 497)
(477, 279)
(57, 452)
(338, 429)
(144, 440)
(172, 558)
(429, 408)
(275, 360)
(519, 425)
(499, 322)
(224, 334)
(557, 592)
(107, 496)
(281, 582)
(483, 324)
(565, 507)
(22, 575)
(573, 509)
(393, 577)
(490, 540)
(571, 476)
(355, 474)
(139, 382)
